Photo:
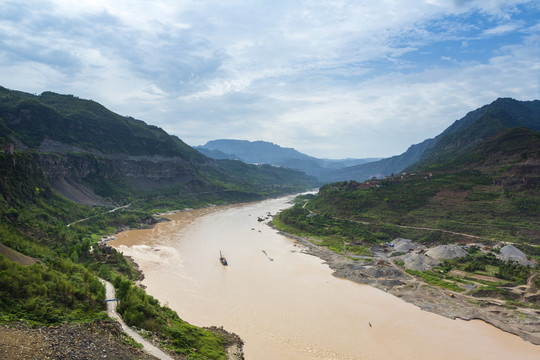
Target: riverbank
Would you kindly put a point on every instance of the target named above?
(283, 303)
(387, 276)
(233, 343)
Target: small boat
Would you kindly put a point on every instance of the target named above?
(222, 259)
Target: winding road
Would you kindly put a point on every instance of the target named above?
(111, 311)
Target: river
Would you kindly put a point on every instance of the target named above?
(286, 304)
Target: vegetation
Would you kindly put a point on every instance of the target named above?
(49, 293)
(464, 201)
(143, 311)
(85, 124)
(62, 284)
(435, 279)
(80, 142)
(489, 191)
(103, 150)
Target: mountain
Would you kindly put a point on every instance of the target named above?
(489, 190)
(379, 168)
(472, 128)
(482, 200)
(462, 135)
(73, 172)
(95, 156)
(50, 120)
(58, 152)
(511, 156)
(262, 152)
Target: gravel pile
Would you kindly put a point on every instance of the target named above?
(403, 245)
(419, 262)
(445, 252)
(511, 253)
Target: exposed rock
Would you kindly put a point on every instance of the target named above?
(77, 192)
(16, 256)
(69, 172)
(95, 340)
(445, 252)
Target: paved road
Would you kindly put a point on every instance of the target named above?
(111, 311)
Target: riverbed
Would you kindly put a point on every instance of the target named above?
(284, 303)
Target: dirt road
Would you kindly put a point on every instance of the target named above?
(111, 311)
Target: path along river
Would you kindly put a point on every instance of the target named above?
(286, 304)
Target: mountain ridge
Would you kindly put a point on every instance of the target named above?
(256, 152)
(519, 113)
(83, 147)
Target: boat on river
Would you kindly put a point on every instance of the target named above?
(222, 259)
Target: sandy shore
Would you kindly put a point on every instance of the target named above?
(524, 322)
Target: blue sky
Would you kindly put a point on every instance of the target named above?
(332, 79)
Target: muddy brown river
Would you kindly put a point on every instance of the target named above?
(286, 304)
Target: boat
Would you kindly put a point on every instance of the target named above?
(222, 259)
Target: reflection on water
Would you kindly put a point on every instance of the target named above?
(285, 304)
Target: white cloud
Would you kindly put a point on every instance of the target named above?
(334, 79)
(500, 29)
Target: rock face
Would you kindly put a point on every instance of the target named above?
(419, 262)
(71, 174)
(446, 252)
(511, 253)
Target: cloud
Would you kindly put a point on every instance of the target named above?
(500, 29)
(335, 79)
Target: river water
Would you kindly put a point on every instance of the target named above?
(286, 304)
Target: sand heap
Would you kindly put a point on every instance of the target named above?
(419, 262)
(446, 252)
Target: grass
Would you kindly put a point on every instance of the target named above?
(432, 279)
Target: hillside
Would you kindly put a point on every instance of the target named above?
(51, 121)
(472, 128)
(380, 168)
(94, 156)
(490, 191)
(73, 172)
(262, 152)
(481, 124)
(460, 238)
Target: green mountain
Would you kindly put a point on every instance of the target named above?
(464, 134)
(263, 152)
(486, 196)
(480, 177)
(41, 121)
(72, 160)
(92, 155)
(476, 126)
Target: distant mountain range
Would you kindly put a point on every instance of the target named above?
(52, 123)
(459, 137)
(262, 152)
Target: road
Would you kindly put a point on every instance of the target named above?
(111, 311)
(109, 211)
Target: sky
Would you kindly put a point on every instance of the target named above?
(331, 78)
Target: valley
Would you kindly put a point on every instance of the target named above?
(67, 184)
